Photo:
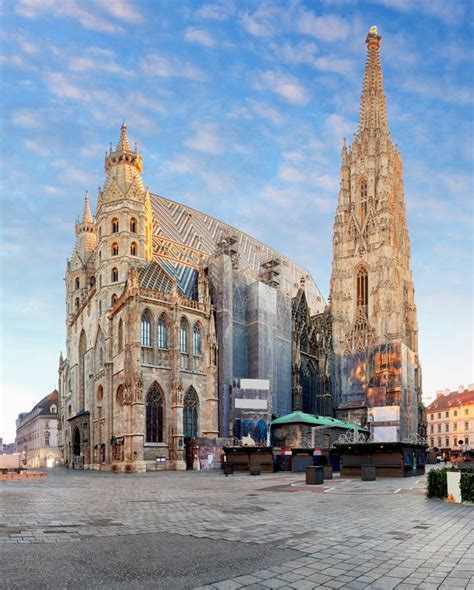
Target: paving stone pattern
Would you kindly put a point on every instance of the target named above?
(349, 534)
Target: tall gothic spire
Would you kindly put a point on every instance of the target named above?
(123, 143)
(372, 102)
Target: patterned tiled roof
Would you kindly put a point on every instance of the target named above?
(157, 275)
(200, 234)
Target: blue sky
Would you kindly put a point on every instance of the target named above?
(239, 108)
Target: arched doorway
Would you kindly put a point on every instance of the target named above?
(76, 445)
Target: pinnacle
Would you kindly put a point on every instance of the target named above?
(87, 210)
(123, 143)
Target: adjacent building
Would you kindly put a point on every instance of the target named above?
(37, 434)
(450, 419)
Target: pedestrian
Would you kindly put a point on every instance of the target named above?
(445, 459)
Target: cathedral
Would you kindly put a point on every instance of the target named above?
(185, 334)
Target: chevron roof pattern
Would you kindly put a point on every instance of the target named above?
(185, 237)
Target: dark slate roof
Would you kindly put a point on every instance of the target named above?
(157, 275)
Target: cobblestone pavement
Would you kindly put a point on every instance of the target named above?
(345, 534)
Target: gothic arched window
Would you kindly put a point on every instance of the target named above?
(154, 414)
(190, 413)
(115, 225)
(183, 336)
(113, 299)
(146, 329)
(162, 333)
(77, 283)
(120, 335)
(114, 275)
(197, 339)
(115, 249)
(133, 225)
(363, 200)
(82, 369)
(362, 288)
(133, 249)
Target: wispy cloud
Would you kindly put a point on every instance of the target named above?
(26, 118)
(155, 64)
(265, 110)
(205, 139)
(200, 36)
(326, 28)
(286, 86)
(67, 8)
(218, 11)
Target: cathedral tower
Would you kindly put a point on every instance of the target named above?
(123, 220)
(375, 335)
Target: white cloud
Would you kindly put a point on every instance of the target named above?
(26, 118)
(302, 53)
(284, 85)
(194, 35)
(217, 11)
(264, 22)
(155, 64)
(66, 8)
(266, 111)
(88, 63)
(327, 28)
(38, 147)
(121, 9)
(206, 139)
(332, 63)
(338, 127)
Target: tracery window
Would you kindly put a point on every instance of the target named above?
(120, 336)
(133, 249)
(115, 249)
(183, 336)
(115, 225)
(362, 288)
(363, 200)
(133, 225)
(190, 413)
(146, 329)
(115, 275)
(197, 339)
(119, 396)
(154, 414)
(162, 333)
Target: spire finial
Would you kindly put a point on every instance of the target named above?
(87, 210)
(372, 102)
(123, 143)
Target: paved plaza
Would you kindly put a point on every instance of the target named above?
(164, 530)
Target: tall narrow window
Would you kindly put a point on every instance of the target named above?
(197, 341)
(115, 275)
(77, 283)
(115, 225)
(162, 335)
(190, 413)
(362, 289)
(154, 414)
(113, 299)
(133, 249)
(183, 336)
(120, 335)
(363, 200)
(115, 249)
(133, 225)
(146, 329)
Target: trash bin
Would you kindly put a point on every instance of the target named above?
(367, 473)
(314, 475)
(254, 470)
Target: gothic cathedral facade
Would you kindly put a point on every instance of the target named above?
(183, 331)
